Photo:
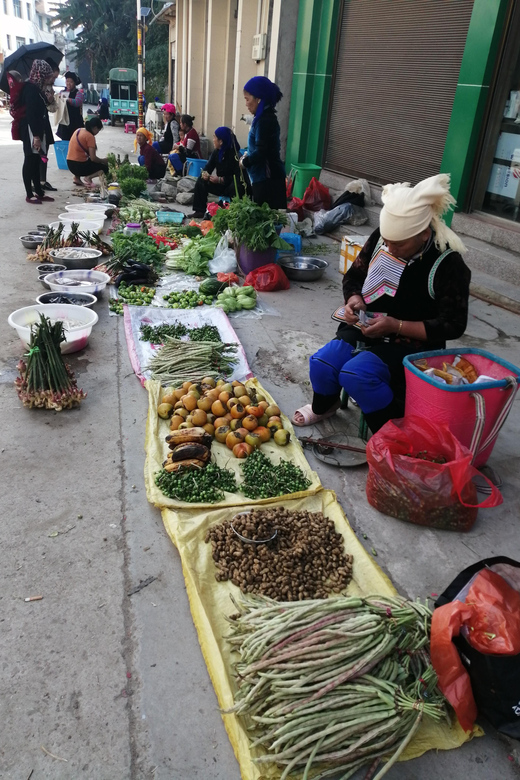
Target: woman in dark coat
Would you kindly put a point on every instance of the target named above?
(35, 130)
(262, 160)
(74, 106)
(221, 175)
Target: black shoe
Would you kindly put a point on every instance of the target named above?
(49, 187)
(196, 215)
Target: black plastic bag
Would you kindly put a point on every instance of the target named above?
(495, 679)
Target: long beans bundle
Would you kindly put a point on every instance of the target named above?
(46, 381)
(333, 684)
(183, 361)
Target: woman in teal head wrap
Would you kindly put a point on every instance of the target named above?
(262, 161)
(222, 172)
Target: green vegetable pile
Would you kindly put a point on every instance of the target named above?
(132, 188)
(252, 225)
(133, 294)
(262, 479)
(182, 361)
(139, 247)
(332, 685)
(204, 486)
(187, 299)
(138, 210)
(194, 255)
(156, 334)
(237, 298)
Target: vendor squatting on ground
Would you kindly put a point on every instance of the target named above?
(410, 270)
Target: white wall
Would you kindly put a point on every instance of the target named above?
(24, 27)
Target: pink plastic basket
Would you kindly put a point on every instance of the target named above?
(474, 413)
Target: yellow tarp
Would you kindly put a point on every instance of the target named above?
(210, 602)
(157, 450)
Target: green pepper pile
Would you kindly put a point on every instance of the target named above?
(199, 486)
(262, 479)
(237, 298)
(134, 294)
(187, 299)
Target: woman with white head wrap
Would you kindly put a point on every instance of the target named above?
(410, 270)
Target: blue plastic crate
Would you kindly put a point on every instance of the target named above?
(60, 150)
(294, 240)
(170, 217)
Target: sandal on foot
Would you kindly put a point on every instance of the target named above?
(78, 183)
(34, 200)
(309, 418)
(46, 198)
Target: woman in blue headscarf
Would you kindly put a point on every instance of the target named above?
(262, 161)
(222, 172)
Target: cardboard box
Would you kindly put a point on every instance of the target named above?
(350, 248)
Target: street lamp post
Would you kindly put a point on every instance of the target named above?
(139, 64)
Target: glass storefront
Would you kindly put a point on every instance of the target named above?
(502, 196)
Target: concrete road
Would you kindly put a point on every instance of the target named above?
(101, 685)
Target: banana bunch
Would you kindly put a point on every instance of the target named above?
(190, 448)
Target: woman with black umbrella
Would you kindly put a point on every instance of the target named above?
(35, 130)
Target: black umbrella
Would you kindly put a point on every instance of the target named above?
(23, 58)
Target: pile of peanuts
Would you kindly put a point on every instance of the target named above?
(306, 560)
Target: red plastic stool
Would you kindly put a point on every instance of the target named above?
(130, 127)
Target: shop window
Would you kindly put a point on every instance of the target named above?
(20, 42)
(8, 43)
(40, 21)
(48, 25)
(5, 7)
(17, 8)
(28, 6)
(31, 40)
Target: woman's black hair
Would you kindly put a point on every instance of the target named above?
(186, 119)
(74, 76)
(94, 121)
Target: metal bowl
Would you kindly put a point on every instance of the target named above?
(75, 299)
(41, 279)
(72, 263)
(49, 268)
(36, 233)
(302, 268)
(31, 242)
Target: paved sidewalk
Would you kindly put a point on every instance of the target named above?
(116, 686)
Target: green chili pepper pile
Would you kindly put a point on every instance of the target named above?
(187, 299)
(205, 486)
(262, 479)
(156, 334)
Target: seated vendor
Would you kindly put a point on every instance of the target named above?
(221, 175)
(171, 130)
(148, 156)
(82, 159)
(188, 146)
(411, 271)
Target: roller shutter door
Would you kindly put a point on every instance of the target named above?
(397, 68)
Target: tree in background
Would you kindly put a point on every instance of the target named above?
(107, 38)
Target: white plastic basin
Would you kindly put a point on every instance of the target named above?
(91, 281)
(80, 216)
(84, 225)
(81, 319)
(88, 207)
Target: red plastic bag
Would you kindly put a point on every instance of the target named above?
(268, 278)
(296, 205)
(316, 196)
(490, 621)
(230, 278)
(404, 481)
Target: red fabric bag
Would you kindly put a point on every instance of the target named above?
(268, 278)
(404, 481)
(316, 196)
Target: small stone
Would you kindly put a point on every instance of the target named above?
(80, 517)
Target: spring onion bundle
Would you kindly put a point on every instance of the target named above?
(184, 361)
(331, 685)
(46, 381)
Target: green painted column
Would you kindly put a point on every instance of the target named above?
(318, 25)
(478, 61)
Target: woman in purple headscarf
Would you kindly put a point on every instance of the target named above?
(221, 176)
(262, 161)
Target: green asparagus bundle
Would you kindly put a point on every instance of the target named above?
(180, 361)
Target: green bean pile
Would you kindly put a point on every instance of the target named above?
(205, 486)
(331, 685)
(156, 334)
(184, 361)
(262, 479)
